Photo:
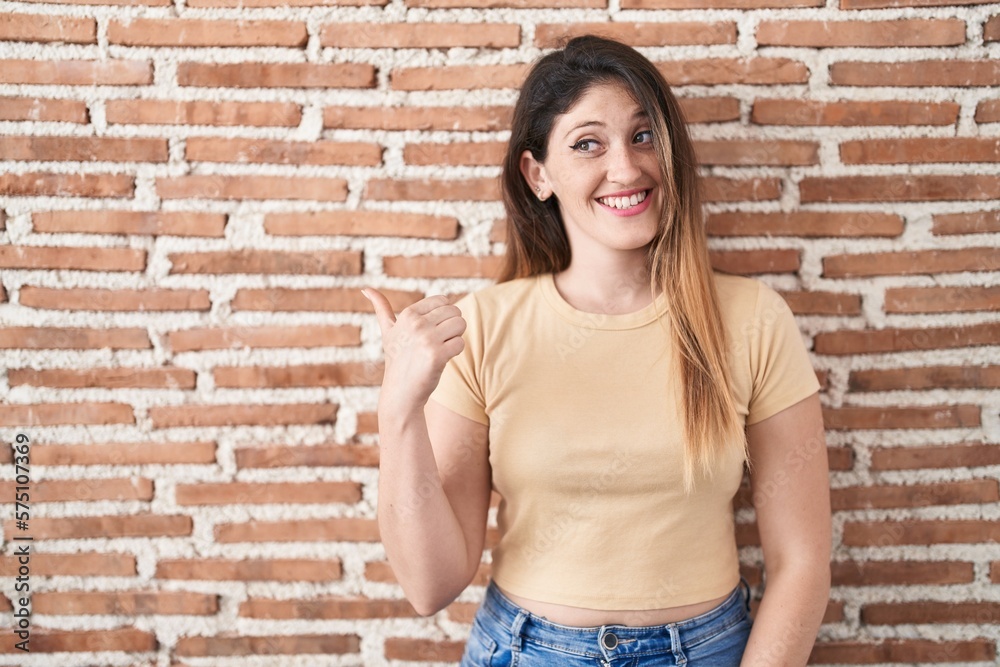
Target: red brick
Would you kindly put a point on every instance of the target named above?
(83, 149)
(977, 222)
(719, 188)
(80, 258)
(307, 456)
(299, 530)
(47, 28)
(127, 300)
(529, 4)
(83, 490)
(488, 119)
(898, 573)
(148, 3)
(77, 72)
(42, 109)
(823, 303)
(917, 262)
(900, 340)
(276, 75)
(752, 153)
(717, 4)
(852, 113)
(877, 4)
(106, 527)
(131, 223)
(804, 224)
(953, 531)
(709, 109)
(995, 572)
(343, 374)
(267, 645)
(840, 458)
(319, 262)
(73, 338)
(991, 29)
(251, 493)
(236, 414)
(175, 112)
(968, 492)
(988, 111)
(922, 150)
(88, 564)
(198, 32)
(942, 299)
(109, 378)
(755, 70)
(423, 650)
(361, 223)
(262, 151)
(326, 608)
(308, 336)
(420, 35)
(240, 4)
(926, 377)
(318, 299)
(207, 186)
(906, 651)
(552, 35)
(438, 266)
(899, 188)
(125, 603)
(935, 456)
(394, 189)
(755, 261)
(218, 569)
(41, 184)
(47, 640)
(939, 416)
(126, 453)
(929, 611)
(468, 77)
(958, 73)
(894, 33)
(482, 153)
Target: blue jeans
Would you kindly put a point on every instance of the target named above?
(507, 635)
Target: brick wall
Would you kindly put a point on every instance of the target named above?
(191, 194)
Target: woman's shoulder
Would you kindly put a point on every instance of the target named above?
(501, 297)
(737, 293)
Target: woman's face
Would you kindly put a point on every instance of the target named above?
(602, 168)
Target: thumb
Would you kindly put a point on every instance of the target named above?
(383, 309)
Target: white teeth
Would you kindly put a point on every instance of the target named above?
(624, 202)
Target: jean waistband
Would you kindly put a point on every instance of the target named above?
(608, 641)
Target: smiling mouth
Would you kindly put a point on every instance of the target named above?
(624, 203)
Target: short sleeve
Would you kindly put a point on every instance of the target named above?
(779, 363)
(460, 387)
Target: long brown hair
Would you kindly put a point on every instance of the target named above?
(677, 260)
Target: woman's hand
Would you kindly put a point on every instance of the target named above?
(417, 345)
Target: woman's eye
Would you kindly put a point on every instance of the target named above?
(584, 145)
(644, 137)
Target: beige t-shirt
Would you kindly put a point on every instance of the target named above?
(587, 448)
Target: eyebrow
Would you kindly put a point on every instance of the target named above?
(597, 123)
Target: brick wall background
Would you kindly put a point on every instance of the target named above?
(191, 194)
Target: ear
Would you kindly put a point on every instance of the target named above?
(534, 173)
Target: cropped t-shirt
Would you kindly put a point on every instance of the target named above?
(586, 445)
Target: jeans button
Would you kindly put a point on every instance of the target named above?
(610, 640)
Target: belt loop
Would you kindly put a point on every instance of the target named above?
(675, 645)
(515, 629)
(746, 586)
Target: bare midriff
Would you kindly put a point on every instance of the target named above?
(582, 617)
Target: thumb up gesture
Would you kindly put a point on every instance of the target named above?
(417, 345)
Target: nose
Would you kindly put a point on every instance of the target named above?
(623, 165)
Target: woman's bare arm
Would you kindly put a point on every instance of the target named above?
(434, 475)
(791, 494)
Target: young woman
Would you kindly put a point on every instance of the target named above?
(610, 387)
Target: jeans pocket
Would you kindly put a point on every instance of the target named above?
(479, 648)
(724, 649)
